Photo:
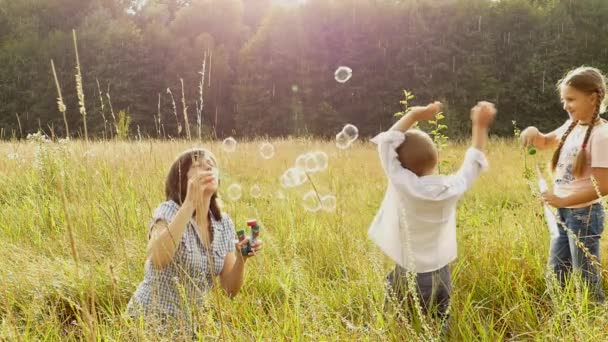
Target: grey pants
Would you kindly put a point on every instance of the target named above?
(433, 290)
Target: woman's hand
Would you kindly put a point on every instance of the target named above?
(199, 185)
(255, 249)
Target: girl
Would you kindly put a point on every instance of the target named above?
(191, 242)
(580, 154)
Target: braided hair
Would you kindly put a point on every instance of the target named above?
(591, 81)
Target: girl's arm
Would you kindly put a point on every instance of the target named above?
(531, 136)
(601, 178)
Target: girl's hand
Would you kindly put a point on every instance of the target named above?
(553, 200)
(528, 136)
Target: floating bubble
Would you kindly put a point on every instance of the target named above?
(266, 150)
(229, 144)
(293, 177)
(255, 191)
(310, 202)
(328, 202)
(285, 181)
(279, 195)
(234, 192)
(311, 163)
(343, 74)
(301, 161)
(351, 132)
(322, 160)
(342, 141)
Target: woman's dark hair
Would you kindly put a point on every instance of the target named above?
(176, 184)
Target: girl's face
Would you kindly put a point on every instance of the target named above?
(579, 105)
(200, 164)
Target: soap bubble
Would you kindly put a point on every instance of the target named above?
(351, 132)
(322, 160)
(311, 163)
(342, 141)
(229, 144)
(310, 202)
(280, 195)
(301, 161)
(343, 74)
(267, 150)
(255, 191)
(234, 192)
(328, 202)
(293, 177)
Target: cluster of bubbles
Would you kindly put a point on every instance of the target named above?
(313, 202)
(267, 149)
(235, 191)
(312, 162)
(306, 163)
(347, 136)
(293, 177)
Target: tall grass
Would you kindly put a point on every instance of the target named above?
(318, 276)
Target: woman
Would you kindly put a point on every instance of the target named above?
(191, 244)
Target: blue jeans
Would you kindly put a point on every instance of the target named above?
(587, 224)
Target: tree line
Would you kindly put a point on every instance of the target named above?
(213, 68)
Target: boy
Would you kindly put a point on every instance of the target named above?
(416, 224)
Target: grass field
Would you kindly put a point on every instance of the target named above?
(73, 229)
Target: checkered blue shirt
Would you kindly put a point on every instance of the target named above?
(173, 291)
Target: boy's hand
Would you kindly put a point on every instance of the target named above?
(428, 112)
(483, 114)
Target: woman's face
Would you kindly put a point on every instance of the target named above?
(579, 105)
(203, 164)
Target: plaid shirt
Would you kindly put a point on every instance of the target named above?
(178, 288)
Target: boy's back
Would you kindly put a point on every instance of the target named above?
(416, 224)
(426, 204)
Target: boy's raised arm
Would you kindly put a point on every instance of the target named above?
(482, 116)
(415, 114)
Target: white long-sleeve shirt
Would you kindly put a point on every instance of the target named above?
(420, 210)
